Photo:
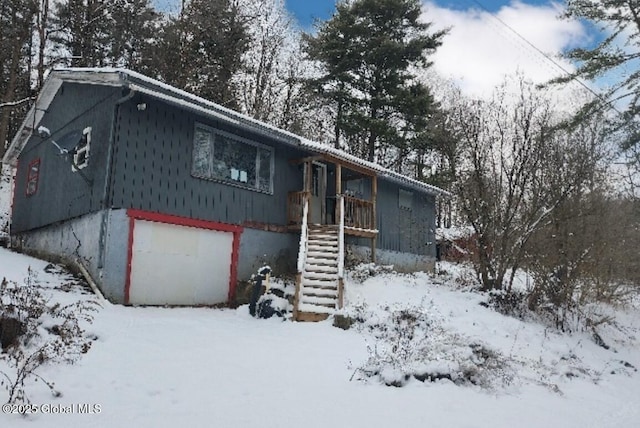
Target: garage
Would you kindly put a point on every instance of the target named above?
(179, 264)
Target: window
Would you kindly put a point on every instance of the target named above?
(33, 175)
(405, 200)
(81, 151)
(231, 159)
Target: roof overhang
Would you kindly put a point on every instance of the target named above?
(32, 120)
(154, 88)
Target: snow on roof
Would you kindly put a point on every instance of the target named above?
(152, 87)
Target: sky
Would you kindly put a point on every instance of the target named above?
(306, 11)
(487, 39)
(480, 50)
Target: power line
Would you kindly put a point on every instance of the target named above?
(550, 59)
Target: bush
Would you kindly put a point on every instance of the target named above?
(410, 343)
(364, 271)
(37, 332)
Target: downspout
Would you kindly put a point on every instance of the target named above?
(107, 179)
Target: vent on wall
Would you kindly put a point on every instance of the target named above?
(405, 199)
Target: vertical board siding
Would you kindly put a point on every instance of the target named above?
(152, 155)
(153, 169)
(409, 231)
(62, 193)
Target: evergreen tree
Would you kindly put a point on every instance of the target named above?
(16, 18)
(82, 32)
(615, 57)
(366, 52)
(133, 25)
(201, 49)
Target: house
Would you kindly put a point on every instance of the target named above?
(169, 199)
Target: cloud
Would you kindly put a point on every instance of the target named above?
(480, 51)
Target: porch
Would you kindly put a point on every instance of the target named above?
(326, 180)
(359, 214)
(338, 198)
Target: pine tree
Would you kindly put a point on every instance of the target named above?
(615, 57)
(366, 52)
(133, 24)
(82, 31)
(201, 50)
(16, 18)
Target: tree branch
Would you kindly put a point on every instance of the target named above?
(16, 103)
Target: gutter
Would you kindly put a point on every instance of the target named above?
(106, 201)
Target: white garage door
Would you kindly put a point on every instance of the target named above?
(179, 265)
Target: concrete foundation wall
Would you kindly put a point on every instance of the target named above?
(259, 247)
(402, 262)
(79, 238)
(113, 271)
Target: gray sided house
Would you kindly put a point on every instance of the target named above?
(168, 198)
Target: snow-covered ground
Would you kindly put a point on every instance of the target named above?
(169, 367)
(5, 199)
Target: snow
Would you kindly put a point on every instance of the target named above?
(167, 367)
(6, 193)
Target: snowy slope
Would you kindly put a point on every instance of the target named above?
(161, 367)
(5, 198)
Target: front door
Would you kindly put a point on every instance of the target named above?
(318, 186)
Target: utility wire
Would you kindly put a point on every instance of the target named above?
(550, 59)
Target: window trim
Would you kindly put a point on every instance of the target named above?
(86, 149)
(33, 178)
(236, 138)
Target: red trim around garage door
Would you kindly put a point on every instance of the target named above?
(190, 222)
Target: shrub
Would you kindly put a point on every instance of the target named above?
(40, 333)
(410, 343)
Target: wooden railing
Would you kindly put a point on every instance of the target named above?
(295, 204)
(358, 213)
(340, 208)
(302, 251)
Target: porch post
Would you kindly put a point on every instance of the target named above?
(338, 189)
(307, 185)
(374, 195)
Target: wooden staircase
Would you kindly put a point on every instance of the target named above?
(319, 288)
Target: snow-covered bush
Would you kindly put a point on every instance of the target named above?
(42, 332)
(361, 272)
(277, 300)
(408, 343)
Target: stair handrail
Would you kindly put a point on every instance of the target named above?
(341, 238)
(304, 231)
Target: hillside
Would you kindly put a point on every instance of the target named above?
(151, 367)
(165, 367)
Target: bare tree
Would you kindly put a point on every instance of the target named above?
(517, 168)
(272, 36)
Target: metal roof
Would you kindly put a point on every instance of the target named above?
(146, 85)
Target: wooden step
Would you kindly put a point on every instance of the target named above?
(315, 283)
(329, 268)
(322, 245)
(322, 260)
(326, 249)
(322, 254)
(319, 292)
(311, 317)
(320, 276)
(333, 227)
(329, 233)
(329, 302)
(307, 307)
